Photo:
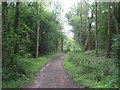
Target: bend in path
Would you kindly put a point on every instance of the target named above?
(53, 75)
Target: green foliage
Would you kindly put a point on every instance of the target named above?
(71, 45)
(24, 71)
(91, 71)
(19, 41)
(73, 17)
(116, 44)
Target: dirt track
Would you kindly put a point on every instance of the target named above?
(53, 75)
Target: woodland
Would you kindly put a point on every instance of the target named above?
(32, 34)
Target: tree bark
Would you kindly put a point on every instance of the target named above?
(96, 31)
(87, 44)
(89, 25)
(4, 20)
(16, 25)
(38, 29)
(109, 34)
(88, 40)
(16, 22)
(56, 43)
(62, 45)
(117, 25)
(80, 8)
(89, 30)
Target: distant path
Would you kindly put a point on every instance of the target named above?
(53, 75)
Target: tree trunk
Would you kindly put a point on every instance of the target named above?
(62, 45)
(80, 5)
(38, 29)
(89, 23)
(56, 44)
(96, 31)
(16, 22)
(109, 35)
(16, 25)
(87, 44)
(88, 39)
(4, 21)
(89, 29)
(117, 25)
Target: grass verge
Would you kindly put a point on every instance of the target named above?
(91, 71)
(30, 66)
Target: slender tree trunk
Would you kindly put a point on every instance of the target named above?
(88, 37)
(38, 29)
(4, 28)
(109, 35)
(4, 21)
(89, 30)
(117, 25)
(96, 31)
(80, 5)
(56, 44)
(16, 25)
(62, 45)
(86, 47)
(88, 25)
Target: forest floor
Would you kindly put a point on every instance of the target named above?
(53, 75)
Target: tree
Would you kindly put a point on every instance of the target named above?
(80, 8)
(38, 27)
(96, 31)
(89, 29)
(22, 21)
(88, 25)
(108, 33)
(117, 25)
(4, 10)
(62, 40)
(16, 25)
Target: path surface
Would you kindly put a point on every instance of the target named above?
(53, 75)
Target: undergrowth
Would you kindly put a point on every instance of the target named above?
(24, 71)
(91, 71)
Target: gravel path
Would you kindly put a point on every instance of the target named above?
(53, 75)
